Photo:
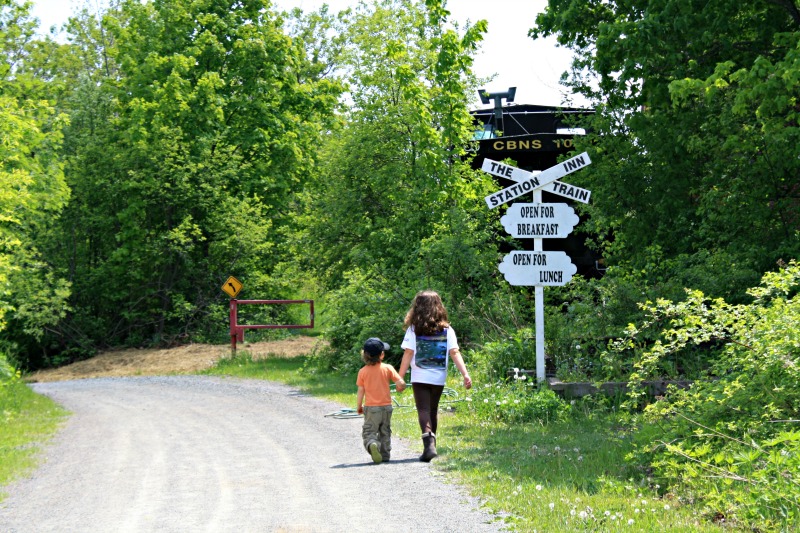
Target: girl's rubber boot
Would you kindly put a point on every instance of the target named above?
(429, 451)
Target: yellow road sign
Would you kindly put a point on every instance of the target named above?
(232, 286)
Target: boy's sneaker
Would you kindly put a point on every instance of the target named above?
(375, 452)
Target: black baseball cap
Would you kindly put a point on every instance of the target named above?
(374, 346)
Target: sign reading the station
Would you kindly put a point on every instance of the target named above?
(539, 221)
(527, 181)
(537, 268)
(232, 286)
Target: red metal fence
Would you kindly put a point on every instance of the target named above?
(237, 330)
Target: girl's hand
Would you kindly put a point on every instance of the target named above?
(467, 382)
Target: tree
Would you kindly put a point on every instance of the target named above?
(395, 206)
(32, 186)
(695, 130)
(192, 125)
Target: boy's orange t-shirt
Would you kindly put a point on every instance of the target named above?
(375, 380)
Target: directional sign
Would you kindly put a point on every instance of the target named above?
(537, 268)
(539, 221)
(232, 286)
(527, 181)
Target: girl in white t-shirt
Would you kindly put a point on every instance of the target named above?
(428, 342)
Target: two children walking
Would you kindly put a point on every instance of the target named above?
(428, 345)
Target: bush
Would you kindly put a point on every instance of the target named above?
(518, 402)
(362, 308)
(731, 441)
(494, 359)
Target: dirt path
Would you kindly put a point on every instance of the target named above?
(181, 360)
(198, 453)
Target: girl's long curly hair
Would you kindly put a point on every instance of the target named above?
(427, 314)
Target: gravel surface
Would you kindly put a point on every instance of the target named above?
(194, 453)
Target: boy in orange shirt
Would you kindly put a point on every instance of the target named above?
(373, 386)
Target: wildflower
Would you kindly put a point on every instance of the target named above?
(557, 449)
(666, 507)
(516, 401)
(538, 487)
(486, 400)
(580, 458)
(636, 511)
(576, 450)
(572, 512)
(630, 521)
(607, 513)
(468, 399)
(523, 377)
(552, 506)
(498, 403)
(583, 514)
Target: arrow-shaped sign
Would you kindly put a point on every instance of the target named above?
(528, 181)
(537, 268)
(539, 221)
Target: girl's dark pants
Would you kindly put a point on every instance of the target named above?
(427, 399)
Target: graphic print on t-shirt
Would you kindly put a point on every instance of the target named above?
(431, 351)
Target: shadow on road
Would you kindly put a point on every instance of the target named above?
(370, 463)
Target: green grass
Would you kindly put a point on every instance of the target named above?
(563, 476)
(27, 421)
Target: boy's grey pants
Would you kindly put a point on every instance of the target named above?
(378, 428)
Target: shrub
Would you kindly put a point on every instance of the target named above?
(731, 441)
(518, 402)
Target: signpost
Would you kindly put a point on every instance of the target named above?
(538, 268)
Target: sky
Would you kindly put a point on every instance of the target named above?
(507, 53)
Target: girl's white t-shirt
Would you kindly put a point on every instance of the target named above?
(431, 355)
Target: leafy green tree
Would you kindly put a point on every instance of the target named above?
(395, 207)
(192, 125)
(695, 135)
(32, 186)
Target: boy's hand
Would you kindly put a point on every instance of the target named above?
(360, 409)
(400, 386)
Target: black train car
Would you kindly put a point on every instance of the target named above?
(533, 136)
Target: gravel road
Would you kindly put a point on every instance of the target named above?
(194, 453)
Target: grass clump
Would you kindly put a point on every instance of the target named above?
(27, 420)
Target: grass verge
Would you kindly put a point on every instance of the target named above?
(29, 420)
(565, 476)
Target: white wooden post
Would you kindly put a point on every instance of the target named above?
(538, 304)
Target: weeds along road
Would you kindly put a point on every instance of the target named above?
(195, 453)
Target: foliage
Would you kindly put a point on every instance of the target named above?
(33, 296)
(494, 359)
(694, 133)
(366, 306)
(521, 401)
(190, 125)
(394, 207)
(730, 441)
